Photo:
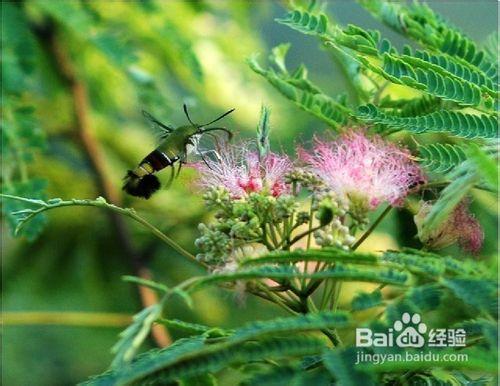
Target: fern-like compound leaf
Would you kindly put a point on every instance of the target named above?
(366, 300)
(329, 255)
(306, 22)
(343, 272)
(452, 122)
(441, 158)
(132, 337)
(304, 93)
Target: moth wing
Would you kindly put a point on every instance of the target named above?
(161, 130)
(205, 146)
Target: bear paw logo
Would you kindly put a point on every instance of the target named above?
(411, 331)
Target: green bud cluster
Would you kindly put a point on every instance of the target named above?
(330, 201)
(260, 218)
(331, 211)
(335, 234)
(285, 206)
(304, 178)
(358, 211)
(239, 222)
(242, 221)
(217, 199)
(215, 244)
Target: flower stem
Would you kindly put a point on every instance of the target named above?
(162, 236)
(303, 234)
(274, 238)
(275, 298)
(100, 202)
(308, 245)
(372, 228)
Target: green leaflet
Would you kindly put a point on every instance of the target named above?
(366, 300)
(14, 210)
(263, 130)
(419, 22)
(486, 164)
(454, 66)
(316, 321)
(412, 107)
(426, 297)
(430, 78)
(457, 44)
(133, 336)
(440, 76)
(22, 138)
(427, 266)
(306, 22)
(288, 375)
(441, 158)
(313, 321)
(452, 122)
(40, 206)
(308, 322)
(212, 357)
(341, 364)
(207, 379)
(453, 266)
(36, 207)
(464, 267)
(419, 299)
(300, 90)
(217, 360)
(481, 294)
(433, 264)
(481, 327)
(394, 15)
(160, 288)
(158, 359)
(490, 47)
(193, 329)
(18, 53)
(341, 272)
(148, 362)
(325, 254)
(463, 179)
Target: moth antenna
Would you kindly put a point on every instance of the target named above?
(219, 118)
(229, 134)
(205, 161)
(187, 115)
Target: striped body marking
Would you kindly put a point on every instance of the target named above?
(153, 162)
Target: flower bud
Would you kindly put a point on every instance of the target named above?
(303, 218)
(325, 215)
(461, 227)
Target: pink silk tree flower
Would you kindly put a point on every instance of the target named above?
(240, 170)
(471, 235)
(368, 168)
(461, 227)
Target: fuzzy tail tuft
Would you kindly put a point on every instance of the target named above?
(141, 187)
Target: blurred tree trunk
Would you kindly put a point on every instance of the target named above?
(94, 154)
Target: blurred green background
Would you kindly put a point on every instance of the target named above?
(75, 77)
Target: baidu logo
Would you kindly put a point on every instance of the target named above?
(410, 331)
